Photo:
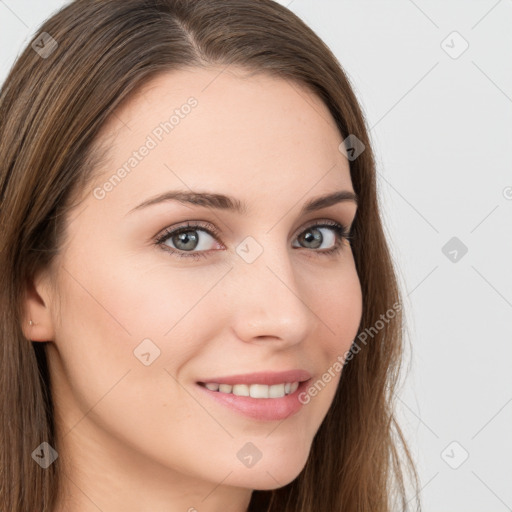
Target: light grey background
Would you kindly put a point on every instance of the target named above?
(441, 128)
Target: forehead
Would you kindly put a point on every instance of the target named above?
(210, 128)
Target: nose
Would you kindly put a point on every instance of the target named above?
(269, 304)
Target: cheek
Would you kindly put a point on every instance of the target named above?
(111, 310)
(108, 312)
(339, 305)
(125, 313)
(159, 298)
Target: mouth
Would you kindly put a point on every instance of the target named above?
(260, 402)
(287, 378)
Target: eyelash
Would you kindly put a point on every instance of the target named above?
(340, 230)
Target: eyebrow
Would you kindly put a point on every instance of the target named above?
(227, 203)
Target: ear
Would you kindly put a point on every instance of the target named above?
(37, 305)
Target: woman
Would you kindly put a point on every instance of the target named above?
(199, 309)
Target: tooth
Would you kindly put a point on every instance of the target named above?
(225, 388)
(255, 390)
(258, 391)
(241, 390)
(276, 391)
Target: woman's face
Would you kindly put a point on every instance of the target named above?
(244, 292)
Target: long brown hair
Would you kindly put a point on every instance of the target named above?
(53, 103)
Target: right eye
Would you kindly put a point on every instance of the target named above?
(187, 238)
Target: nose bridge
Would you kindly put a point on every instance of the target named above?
(269, 302)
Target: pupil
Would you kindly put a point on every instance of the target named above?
(186, 238)
(312, 236)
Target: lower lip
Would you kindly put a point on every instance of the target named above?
(265, 409)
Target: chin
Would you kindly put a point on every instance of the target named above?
(266, 477)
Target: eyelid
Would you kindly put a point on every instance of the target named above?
(190, 225)
(187, 226)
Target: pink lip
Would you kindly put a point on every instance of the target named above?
(264, 409)
(267, 378)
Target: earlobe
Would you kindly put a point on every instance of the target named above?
(37, 322)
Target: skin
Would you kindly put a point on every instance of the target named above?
(136, 437)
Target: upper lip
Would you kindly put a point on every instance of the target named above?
(267, 378)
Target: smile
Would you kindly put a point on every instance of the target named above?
(254, 390)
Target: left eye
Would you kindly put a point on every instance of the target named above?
(186, 239)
